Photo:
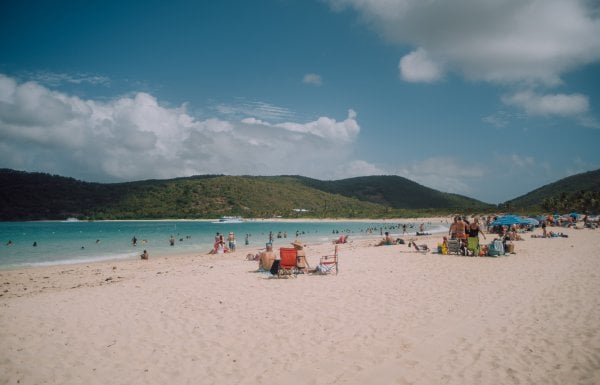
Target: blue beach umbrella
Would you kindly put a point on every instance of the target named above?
(508, 220)
(531, 221)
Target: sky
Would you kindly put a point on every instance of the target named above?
(490, 99)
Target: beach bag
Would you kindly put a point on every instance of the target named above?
(275, 267)
(496, 248)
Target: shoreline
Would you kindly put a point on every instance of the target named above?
(391, 315)
(199, 245)
(291, 220)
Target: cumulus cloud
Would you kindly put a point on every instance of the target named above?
(136, 137)
(418, 67)
(313, 79)
(555, 104)
(504, 41)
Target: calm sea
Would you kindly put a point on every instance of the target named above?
(52, 243)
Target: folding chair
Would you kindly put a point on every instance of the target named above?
(287, 265)
(329, 263)
(454, 246)
(424, 249)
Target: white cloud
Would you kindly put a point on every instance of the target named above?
(328, 128)
(136, 137)
(418, 67)
(501, 119)
(556, 104)
(356, 168)
(512, 41)
(521, 161)
(444, 174)
(260, 110)
(54, 79)
(313, 79)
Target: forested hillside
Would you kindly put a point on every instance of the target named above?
(579, 193)
(33, 196)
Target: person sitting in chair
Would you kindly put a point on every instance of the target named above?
(301, 262)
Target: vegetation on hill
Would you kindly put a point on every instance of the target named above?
(33, 196)
(36, 196)
(577, 193)
(397, 192)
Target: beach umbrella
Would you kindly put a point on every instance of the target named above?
(531, 221)
(508, 220)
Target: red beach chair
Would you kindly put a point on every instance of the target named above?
(287, 265)
(329, 263)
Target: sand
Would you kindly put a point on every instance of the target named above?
(391, 316)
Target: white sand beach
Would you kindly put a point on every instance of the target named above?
(391, 316)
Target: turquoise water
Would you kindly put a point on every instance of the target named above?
(78, 242)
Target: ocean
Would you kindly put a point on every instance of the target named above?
(28, 244)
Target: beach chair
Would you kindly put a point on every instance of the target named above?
(328, 264)
(424, 249)
(287, 265)
(454, 246)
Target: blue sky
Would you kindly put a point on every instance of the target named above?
(489, 99)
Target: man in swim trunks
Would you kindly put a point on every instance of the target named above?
(458, 229)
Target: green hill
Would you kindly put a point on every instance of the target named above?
(397, 192)
(34, 196)
(579, 193)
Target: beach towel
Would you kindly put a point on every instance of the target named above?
(473, 245)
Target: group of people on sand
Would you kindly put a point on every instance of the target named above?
(467, 233)
(268, 259)
(220, 247)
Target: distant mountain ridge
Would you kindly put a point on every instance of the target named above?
(34, 196)
(37, 196)
(395, 191)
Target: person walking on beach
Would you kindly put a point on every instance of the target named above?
(231, 241)
(473, 230)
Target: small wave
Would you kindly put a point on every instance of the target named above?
(79, 260)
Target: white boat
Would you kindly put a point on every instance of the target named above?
(229, 219)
